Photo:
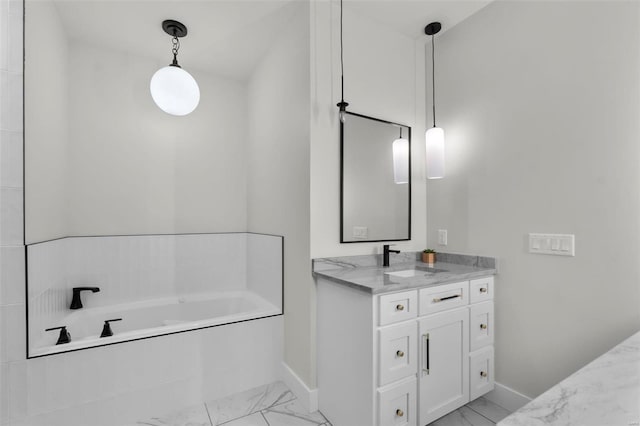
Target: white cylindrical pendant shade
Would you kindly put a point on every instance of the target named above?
(174, 90)
(401, 161)
(435, 153)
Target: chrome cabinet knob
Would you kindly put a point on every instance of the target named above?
(399, 307)
(399, 413)
(483, 326)
(399, 354)
(483, 289)
(483, 374)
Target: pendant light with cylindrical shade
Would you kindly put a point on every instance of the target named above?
(434, 137)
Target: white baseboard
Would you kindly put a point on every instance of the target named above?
(307, 397)
(507, 398)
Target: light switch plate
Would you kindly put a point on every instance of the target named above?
(555, 244)
(442, 237)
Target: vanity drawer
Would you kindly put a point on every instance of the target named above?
(481, 289)
(443, 297)
(481, 325)
(398, 307)
(397, 405)
(398, 352)
(481, 372)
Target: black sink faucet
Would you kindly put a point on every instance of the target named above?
(385, 254)
(76, 302)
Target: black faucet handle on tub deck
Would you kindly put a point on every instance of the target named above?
(76, 302)
(64, 336)
(106, 330)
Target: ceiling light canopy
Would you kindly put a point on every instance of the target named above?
(173, 89)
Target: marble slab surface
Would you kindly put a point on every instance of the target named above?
(365, 272)
(604, 392)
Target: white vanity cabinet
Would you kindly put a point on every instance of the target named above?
(402, 358)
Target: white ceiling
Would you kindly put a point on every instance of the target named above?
(409, 17)
(229, 37)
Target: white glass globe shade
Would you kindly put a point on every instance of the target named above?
(401, 161)
(435, 153)
(174, 90)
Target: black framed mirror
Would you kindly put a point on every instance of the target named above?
(375, 180)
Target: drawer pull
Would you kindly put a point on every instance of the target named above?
(399, 354)
(399, 307)
(399, 413)
(483, 289)
(442, 299)
(425, 368)
(483, 374)
(483, 326)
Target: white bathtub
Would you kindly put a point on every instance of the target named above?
(155, 317)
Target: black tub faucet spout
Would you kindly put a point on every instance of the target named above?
(76, 302)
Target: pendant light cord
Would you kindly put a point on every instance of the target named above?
(433, 79)
(341, 57)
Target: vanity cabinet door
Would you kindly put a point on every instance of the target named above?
(444, 363)
(397, 352)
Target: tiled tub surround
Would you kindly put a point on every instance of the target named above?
(157, 284)
(604, 392)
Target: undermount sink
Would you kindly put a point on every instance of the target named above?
(408, 273)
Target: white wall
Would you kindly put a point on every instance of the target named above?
(540, 103)
(47, 115)
(381, 80)
(278, 176)
(132, 169)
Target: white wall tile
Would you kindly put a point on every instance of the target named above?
(15, 50)
(4, 36)
(4, 98)
(12, 333)
(11, 101)
(11, 159)
(17, 389)
(36, 390)
(264, 269)
(16, 7)
(4, 392)
(12, 275)
(11, 219)
(15, 101)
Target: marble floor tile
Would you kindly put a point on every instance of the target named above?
(192, 416)
(488, 409)
(255, 419)
(292, 413)
(248, 402)
(463, 416)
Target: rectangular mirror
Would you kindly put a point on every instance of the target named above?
(375, 180)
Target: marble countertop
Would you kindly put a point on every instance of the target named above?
(604, 392)
(366, 273)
